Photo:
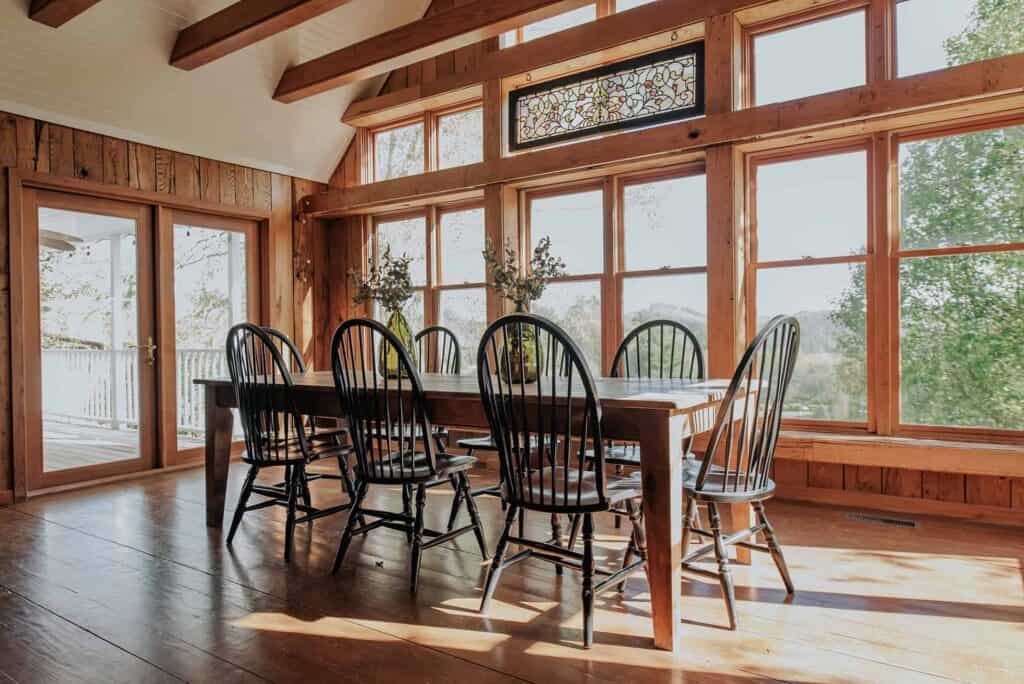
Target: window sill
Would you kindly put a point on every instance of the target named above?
(969, 458)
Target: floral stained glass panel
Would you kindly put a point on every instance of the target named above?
(662, 86)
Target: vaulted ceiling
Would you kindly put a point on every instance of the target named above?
(106, 70)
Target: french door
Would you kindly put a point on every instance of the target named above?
(90, 340)
(126, 305)
(208, 280)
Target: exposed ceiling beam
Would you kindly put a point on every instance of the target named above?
(999, 81)
(240, 25)
(56, 13)
(433, 35)
(596, 39)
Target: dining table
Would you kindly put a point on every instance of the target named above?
(659, 414)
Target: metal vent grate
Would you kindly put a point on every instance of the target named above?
(881, 520)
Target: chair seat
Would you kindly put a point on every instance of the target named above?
(415, 469)
(550, 491)
(485, 443)
(722, 487)
(289, 453)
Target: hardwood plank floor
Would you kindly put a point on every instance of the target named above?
(125, 583)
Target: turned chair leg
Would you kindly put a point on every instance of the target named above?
(474, 515)
(407, 511)
(688, 522)
(456, 502)
(637, 540)
(724, 573)
(574, 531)
(350, 526)
(556, 536)
(494, 572)
(307, 496)
(588, 580)
(417, 538)
(294, 492)
(243, 501)
(773, 546)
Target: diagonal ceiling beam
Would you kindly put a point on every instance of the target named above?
(55, 13)
(433, 35)
(240, 25)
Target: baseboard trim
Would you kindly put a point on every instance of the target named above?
(903, 504)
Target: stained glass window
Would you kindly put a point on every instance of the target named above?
(662, 86)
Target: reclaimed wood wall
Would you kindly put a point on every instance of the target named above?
(47, 148)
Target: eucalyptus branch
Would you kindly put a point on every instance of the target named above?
(522, 289)
(388, 282)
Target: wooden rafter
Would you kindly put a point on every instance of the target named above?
(431, 36)
(998, 77)
(240, 25)
(56, 13)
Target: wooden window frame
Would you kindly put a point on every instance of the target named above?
(621, 273)
(603, 8)
(431, 136)
(434, 286)
(754, 265)
(897, 254)
(750, 32)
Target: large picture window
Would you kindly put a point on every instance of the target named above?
(961, 279)
(574, 220)
(664, 251)
(809, 245)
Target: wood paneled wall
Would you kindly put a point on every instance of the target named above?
(47, 148)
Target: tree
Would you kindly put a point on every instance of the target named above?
(961, 316)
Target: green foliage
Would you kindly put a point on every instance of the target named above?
(388, 283)
(523, 288)
(961, 316)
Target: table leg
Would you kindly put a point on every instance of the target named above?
(741, 516)
(662, 471)
(219, 423)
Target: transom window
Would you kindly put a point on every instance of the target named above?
(435, 140)
(786, 57)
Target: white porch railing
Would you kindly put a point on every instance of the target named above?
(101, 386)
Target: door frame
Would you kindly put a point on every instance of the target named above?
(37, 476)
(168, 451)
(23, 253)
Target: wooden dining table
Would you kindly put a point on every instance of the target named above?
(658, 414)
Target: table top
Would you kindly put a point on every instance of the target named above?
(653, 393)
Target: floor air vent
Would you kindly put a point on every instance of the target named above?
(881, 520)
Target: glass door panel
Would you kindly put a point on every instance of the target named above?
(212, 270)
(88, 304)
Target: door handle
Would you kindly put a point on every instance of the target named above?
(149, 348)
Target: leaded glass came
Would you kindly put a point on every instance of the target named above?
(662, 86)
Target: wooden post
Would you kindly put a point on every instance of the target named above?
(501, 226)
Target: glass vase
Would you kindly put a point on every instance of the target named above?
(397, 324)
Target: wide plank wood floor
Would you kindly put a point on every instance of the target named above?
(124, 583)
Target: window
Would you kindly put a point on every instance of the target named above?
(623, 5)
(788, 61)
(460, 138)
(961, 280)
(399, 151)
(809, 244)
(546, 27)
(462, 281)
(933, 34)
(407, 236)
(649, 89)
(457, 137)
(449, 277)
(664, 228)
(574, 220)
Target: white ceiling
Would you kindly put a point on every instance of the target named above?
(106, 71)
